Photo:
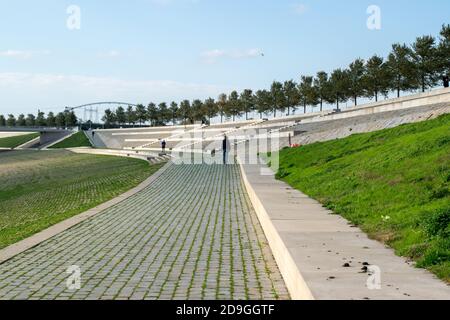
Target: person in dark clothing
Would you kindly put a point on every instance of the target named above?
(225, 149)
(446, 81)
(163, 145)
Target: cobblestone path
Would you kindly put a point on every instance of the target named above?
(192, 234)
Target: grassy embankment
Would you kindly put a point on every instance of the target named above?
(77, 140)
(394, 184)
(40, 189)
(15, 141)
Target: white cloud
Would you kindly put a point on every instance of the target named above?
(24, 92)
(161, 2)
(22, 54)
(213, 56)
(299, 8)
(169, 2)
(110, 54)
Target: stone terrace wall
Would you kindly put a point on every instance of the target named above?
(372, 117)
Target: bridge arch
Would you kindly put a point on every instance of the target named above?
(90, 111)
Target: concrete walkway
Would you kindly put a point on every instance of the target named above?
(192, 234)
(322, 256)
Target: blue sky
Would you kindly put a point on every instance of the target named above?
(162, 50)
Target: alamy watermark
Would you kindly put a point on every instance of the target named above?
(249, 146)
(74, 19)
(374, 19)
(374, 279)
(73, 282)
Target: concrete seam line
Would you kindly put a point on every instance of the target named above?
(110, 152)
(28, 142)
(60, 140)
(44, 235)
(296, 284)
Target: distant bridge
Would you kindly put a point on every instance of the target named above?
(101, 104)
(91, 109)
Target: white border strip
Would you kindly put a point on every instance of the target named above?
(296, 284)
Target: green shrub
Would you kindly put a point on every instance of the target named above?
(437, 254)
(438, 223)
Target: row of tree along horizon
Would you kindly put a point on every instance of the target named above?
(65, 119)
(421, 65)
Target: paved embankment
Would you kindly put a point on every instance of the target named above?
(192, 234)
(323, 256)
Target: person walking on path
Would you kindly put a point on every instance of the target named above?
(225, 149)
(163, 146)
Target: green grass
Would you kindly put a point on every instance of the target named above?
(394, 184)
(42, 188)
(15, 141)
(77, 140)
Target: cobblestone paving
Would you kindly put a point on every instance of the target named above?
(192, 234)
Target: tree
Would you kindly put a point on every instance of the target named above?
(222, 105)
(185, 111)
(21, 121)
(164, 113)
(234, 108)
(444, 50)
(322, 88)
(291, 95)
(376, 79)
(210, 108)
(141, 114)
(2, 121)
(263, 102)
(198, 112)
(60, 120)
(307, 93)
(130, 115)
(30, 120)
(11, 122)
(276, 91)
(40, 119)
(248, 104)
(121, 116)
(51, 120)
(109, 118)
(426, 61)
(339, 84)
(151, 114)
(174, 112)
(401, 69)
(356, 72)
(70, 119)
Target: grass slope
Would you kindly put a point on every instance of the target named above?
(15, 141)
(394, 184)
(77, 140)
(40, 189)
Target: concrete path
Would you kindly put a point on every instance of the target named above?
(323, 256)
(192, 234)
